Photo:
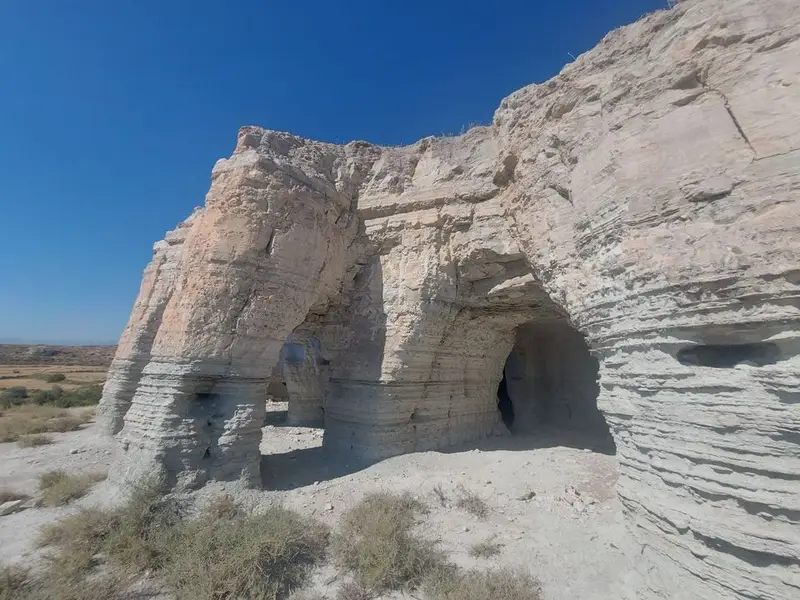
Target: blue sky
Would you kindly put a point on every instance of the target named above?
(113, 113)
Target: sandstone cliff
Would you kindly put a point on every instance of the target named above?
(645, 198)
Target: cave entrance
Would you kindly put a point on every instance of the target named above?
(550, 386)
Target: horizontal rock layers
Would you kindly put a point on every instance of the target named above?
(647, 197)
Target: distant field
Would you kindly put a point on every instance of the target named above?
(34, 377)
(45, 356)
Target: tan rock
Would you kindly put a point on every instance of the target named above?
(645, 198)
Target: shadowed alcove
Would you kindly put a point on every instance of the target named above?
(550, 385)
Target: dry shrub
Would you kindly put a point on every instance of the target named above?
(440, 494)
(485, 549)
(352, 590)
(451, 583)
(30, 441)
(253, 556)
(472, 503)
(59, 580)
(377, 545)
(223, 506)
(306, 595)
(262, 555)
(59, 488)
(32, 419)
(7, 495)
(14, 583)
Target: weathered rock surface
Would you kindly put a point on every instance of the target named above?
(647, 197)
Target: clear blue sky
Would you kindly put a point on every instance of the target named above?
(112, 114)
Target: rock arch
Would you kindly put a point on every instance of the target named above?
(647, 195)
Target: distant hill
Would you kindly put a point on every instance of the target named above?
(49, 354)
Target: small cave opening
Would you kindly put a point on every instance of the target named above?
(550, 387)
(504, 404)
(726, 356)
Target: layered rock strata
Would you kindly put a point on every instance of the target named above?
(647, 198)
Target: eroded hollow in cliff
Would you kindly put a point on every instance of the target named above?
(550, 385)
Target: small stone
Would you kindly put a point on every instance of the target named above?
(529, 495)
(74, 451)
(466, 529)
(316, 483)
(329, 507)
(11, 507)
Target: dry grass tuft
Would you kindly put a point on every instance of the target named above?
(30, 441)
(33, 419)
(14, 583)
(223, 506)
(488, 548)
(305, 595)
(59, 488)
(440, 494)
(214, 557)
(264, 555)
(7, 495)
(377, 545)
(451, 583)
(472, 503)
(351, 590)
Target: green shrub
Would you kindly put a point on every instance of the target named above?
(13, 396)
(83, 396)
(51, 377)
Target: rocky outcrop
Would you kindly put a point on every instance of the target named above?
(645, 198)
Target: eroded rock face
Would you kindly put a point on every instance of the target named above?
(647, 197)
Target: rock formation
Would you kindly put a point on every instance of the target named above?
(643, 203)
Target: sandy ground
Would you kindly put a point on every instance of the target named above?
(569, 534)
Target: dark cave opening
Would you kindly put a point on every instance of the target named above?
(504, 404)
(550, 386)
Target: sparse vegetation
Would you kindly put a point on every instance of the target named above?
(14, 583)
(487, 548)
(451, 583)
(83, 396)
(472, 503)
(87, 395)
(51, 377)
(440, 494)
(30, 441)
(223, 506)
(31, 419)
(59, 488)
(252, 556)
(13, 396)
(376, 543)
(352, 590)
(306, 595)
(7, 495)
